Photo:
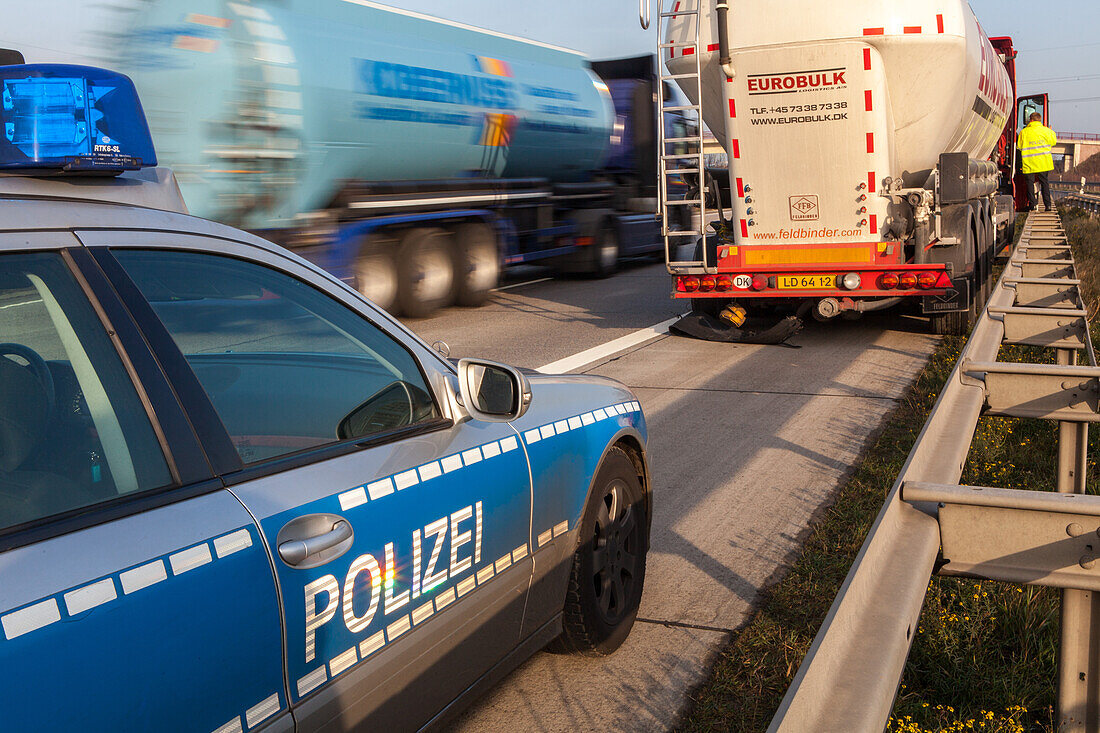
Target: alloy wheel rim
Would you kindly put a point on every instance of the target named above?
(615, 553)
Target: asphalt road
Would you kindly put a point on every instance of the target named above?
(747, 444)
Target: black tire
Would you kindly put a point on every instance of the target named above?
(605, 583)
(477, 263)
(376, 276)
(425, 269)
(960, 323)
(602, 257)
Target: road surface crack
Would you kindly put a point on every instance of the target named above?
(681, 625)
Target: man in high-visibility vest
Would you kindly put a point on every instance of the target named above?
(1034, 143)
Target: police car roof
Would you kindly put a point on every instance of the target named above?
(152, 188)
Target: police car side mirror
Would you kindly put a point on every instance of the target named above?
(493, 392)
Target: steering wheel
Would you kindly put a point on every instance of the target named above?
(37, 365)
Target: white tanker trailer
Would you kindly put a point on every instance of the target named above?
(869, 144)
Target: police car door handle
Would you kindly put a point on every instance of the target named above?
(295, 552)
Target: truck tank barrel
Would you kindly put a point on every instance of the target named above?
(265, 109)
(948, 90)
(835, 105)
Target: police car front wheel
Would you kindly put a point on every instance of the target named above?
(605, 583)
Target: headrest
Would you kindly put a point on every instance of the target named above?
(23, 415)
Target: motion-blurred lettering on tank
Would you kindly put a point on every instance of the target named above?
(398, 81)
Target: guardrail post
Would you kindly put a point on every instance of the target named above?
(1079, 655)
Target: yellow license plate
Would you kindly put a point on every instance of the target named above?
(807, 282)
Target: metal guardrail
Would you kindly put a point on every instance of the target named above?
(1088, 202)
(1078, 136)
(850, 676)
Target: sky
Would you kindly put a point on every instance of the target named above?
(1058, 40)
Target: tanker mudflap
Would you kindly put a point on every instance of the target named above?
(754, 330)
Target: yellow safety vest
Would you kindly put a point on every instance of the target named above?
(1034, 144)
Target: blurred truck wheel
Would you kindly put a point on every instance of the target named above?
(476, 263)
(376, 271)
(425, 271)
(602, 256)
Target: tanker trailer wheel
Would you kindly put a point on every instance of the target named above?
(375, 271)
(605, 582)
(958, 324)
(476, 263)
(601, 258)
(425, 270)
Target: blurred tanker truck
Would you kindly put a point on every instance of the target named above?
(412, 157)
(871, 155)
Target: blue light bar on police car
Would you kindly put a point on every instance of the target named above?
(65, 118)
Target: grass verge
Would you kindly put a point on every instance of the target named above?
(984, 657)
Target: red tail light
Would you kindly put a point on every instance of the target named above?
(759, 282)
(689, 284)
(707, 283)
(887, 281)
(927, 280)
(725, 283)
(907, 281)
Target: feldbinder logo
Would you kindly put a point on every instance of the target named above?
(804, 208)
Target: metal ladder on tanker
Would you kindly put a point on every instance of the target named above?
(673, 164)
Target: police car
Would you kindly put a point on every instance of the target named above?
(235, 495)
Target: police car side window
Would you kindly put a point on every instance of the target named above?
(73, 431)
(287, 367)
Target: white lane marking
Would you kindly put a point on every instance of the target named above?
(233, 542)
(143, 576)
(32, 302)
(355, 497)
(601, 352)
(261, 712)
(312, 681)
(30, 618)
(188, 559)
(528, 282)
(95, 594)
